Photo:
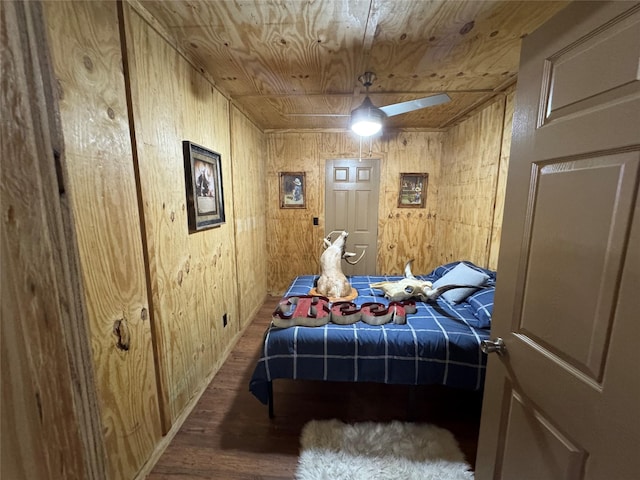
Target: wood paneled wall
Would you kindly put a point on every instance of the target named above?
(408, 233)
(249, 195)
(156, 295)
(87, 58)
(463, 212)
(187, 272)
(49, 418)
(501, 184)
(469, 187)
(295, 244)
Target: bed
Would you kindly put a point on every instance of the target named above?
(438, 344)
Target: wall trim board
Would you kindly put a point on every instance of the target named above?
(505, 152)
(347, 130)
(233, 189)
(128, 70)
(469, 112)
(496, 182)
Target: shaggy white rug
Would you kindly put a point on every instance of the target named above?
(333, 450)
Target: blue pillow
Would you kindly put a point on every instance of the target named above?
(461, 274)
(482, 306)
(441, 270)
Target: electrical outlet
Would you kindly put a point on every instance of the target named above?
(315, 220)
(224, 320)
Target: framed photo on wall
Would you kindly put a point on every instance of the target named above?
(413, 190)
(203, 177)
(293, 190)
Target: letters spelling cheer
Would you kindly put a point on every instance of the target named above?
(315, 311)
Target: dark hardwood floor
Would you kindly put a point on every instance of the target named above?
(229, 435)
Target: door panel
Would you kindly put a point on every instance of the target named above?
(565, 244)
(619, 50)
(352, 205)
(340, 207)
(362, 203)
(562, 402)
(561, 458)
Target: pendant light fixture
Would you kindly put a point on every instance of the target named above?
(366, 120)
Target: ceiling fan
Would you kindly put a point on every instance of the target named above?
(366, 120)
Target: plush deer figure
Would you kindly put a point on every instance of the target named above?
(332, 282)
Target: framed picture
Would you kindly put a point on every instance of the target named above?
(203, 177)
(413, 190)
(293, 190)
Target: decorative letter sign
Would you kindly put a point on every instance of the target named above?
(313, 311)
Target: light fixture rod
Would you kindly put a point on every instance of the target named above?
(367, 79)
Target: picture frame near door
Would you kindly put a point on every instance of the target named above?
(203, 178)
(413, 190)
(293, 190)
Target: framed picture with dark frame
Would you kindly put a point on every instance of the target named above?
(203, 177)
(413, 190)
(293, 190)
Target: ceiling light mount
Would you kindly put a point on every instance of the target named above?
(367, 79)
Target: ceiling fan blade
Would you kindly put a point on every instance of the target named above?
(411, 105)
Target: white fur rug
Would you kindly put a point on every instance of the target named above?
(332, 450)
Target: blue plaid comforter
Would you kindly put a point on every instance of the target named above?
(439, 344)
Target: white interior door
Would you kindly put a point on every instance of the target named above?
(351, 204)
(563, 402)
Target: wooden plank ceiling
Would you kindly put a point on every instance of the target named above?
(294, 64)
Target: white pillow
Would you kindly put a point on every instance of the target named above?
(461, 275)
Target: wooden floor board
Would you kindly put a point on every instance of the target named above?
(229, 435)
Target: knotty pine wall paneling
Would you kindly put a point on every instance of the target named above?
(248, 155)
(462, 217)
(87, 60)
(468, 183)
(501, 182)
(192, 277)
(409, 233)
(294, 244)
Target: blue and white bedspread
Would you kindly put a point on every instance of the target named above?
(439, 344)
